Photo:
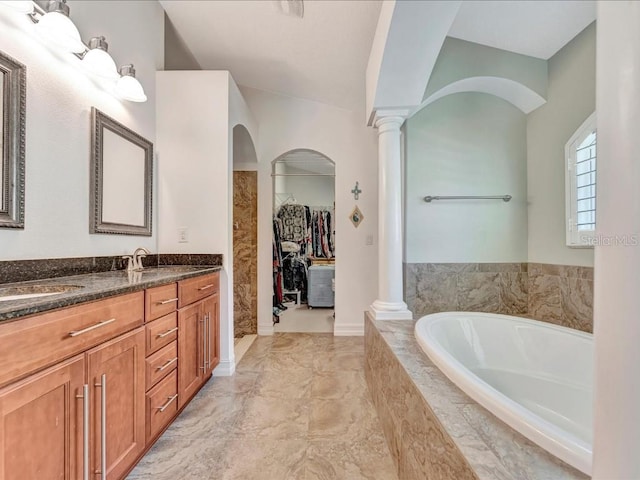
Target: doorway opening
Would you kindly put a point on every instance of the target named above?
(304, 242)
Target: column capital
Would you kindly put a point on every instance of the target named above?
(386, 119)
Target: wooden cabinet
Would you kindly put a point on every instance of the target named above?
(42, 340)
(198, 333)
(190, 352)
(162, 404)
(116, 373)
(87, 389)
(211, 313)
(41, 426)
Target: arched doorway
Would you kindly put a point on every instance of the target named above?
(304, 242)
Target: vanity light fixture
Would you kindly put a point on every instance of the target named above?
(128, 86)
(21, 6)
(56, 27)
(98, 61)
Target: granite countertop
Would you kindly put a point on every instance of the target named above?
(93, 286)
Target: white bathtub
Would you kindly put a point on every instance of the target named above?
(534, 376)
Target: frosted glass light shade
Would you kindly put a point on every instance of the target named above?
(100, 63)
(21, 6)
(58, 29)
(129, 88)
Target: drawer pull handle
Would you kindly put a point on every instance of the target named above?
(169, 401)
(169, 362)
(170, 300)
(168, 332)
(75, 333)
(207, 287)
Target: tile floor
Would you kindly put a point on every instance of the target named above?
(297, 408)
(300, 318)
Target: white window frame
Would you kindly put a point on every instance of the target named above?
(577, 238)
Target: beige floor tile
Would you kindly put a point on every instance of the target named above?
(351, 419)
(337, 385)
(294, 385)
(296, 409)
(249, 458)
(338, 361)
(241, 383)
(274, 417)
(330, 460)
(205, 415)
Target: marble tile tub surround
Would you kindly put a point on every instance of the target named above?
(25, 270)
(562, 295)
(480, 287)
(297, 408)
(554, 293)
(432, 428)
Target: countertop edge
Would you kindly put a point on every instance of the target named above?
(48, 304)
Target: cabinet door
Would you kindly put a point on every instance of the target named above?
(41, 425)
(211, 308)
(190, 352)
(116, 373)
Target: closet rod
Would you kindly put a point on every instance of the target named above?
(504, 198)
(303, 175)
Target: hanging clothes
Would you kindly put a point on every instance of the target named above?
(294, 222)
(278, 295)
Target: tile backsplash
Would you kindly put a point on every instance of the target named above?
(25, 270)
(554, 293)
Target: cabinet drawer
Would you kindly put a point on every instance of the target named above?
(194, 289)
(161, 363)
(159, 301)
(161, 332)
(32, 343)
(162, 404)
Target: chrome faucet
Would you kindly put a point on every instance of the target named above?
(135, 261)
(137, 257)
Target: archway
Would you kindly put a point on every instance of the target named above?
(304, 242)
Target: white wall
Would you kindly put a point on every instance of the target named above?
(58, 123)
(570, 100)
(197, 111)
(288, 123)
(313, 191)
(466, 144)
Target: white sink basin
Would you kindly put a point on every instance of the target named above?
(33, 291)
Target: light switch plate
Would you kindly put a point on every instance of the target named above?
(183, 235)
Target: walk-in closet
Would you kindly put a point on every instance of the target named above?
(304, 242)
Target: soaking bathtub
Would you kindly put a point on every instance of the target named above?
(534, 376)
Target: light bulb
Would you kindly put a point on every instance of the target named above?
(98, 61)
(21, 6)
(56, 27)
(128, 87)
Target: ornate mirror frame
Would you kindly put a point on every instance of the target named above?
(115, 146)
(12, 147)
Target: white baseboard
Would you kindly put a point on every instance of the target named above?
(265, 329)
(225, 368)
(348, 329)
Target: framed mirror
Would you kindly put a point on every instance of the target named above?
(13, 91)
(121, 178)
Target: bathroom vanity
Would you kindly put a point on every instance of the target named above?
(92, 376)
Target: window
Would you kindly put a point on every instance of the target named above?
(580, 185)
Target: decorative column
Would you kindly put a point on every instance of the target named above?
(616, 441)
(389, 304)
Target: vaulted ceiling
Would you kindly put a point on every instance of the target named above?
(323, 56)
